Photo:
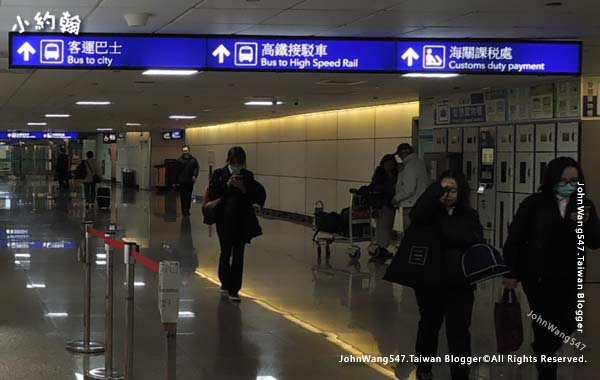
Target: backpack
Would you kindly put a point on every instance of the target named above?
(80, 171)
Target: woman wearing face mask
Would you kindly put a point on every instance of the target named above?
(541, 252)
(384, 181)
(236, 220)
(445, 208)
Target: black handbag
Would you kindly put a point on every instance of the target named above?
(210, 209)
(419, 261)
(95, 177)
(508, 321)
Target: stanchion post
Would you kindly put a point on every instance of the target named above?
(86, 346)
(130, 248)
(168, 305)
(107, 373)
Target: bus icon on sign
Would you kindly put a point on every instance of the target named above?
(52, 51)
(246, 54)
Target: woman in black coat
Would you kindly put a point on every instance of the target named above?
(443, 225)
(542, 252)
(236, 219)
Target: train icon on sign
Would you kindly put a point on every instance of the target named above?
(246, 54)
(53, 51)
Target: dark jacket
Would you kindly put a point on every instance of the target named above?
(541, 243)
(385, 184)
(62, 166)
(236, 217)
(187, 168)
(460, 230)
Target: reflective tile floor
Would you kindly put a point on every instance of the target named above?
(298, 314)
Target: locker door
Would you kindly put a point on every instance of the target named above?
(488, 235)
(505, 171)
(440, 142)
(573, 155)
(568, 137)
(518, 199)
(455, 140)
(470, 139)
(504, 216)
(524, 141)
(471, 169)
(524, 173)
(506, 139)
(541, 162)
(487, 205)
(545, 137)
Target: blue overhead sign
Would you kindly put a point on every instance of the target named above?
(480, 57)
(104, 51)
(123, 51)
(301, 54)
(39, 135)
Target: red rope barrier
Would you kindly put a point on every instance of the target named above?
(145, 261)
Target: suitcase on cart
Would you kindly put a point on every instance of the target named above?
(103, 197)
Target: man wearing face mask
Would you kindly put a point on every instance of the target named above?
(187, 173)
(412, 181)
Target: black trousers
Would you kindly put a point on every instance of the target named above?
(231, 262)
(455, 305)
(185, 194)
(554, 301)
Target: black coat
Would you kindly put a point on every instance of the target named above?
(541, 243)
(459, 231)
(385, 184)
(62, 166)
(236, 217)
(445, 237)
(187, 168)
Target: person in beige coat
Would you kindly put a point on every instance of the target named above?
(412, 181)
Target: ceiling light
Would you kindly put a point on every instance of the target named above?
(133, 124)
(430, 75)
(104, 129)
(137, 19)
(57, 315)
(63, 115)
(36, 286)
(554, 4)
(170, 72)
(182, 117)
(187, 314)
(263, 103)
(93, 103)
(34, 123)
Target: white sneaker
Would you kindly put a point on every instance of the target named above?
(235, 298)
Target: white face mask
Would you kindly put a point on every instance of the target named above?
(398, 159)
(235, 169)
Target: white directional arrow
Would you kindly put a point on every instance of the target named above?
(410, 55)
(26, 50)
(221, 52)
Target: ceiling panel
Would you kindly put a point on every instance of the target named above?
(348, 4)
(509, 20)
(113, 20)
(186, 27)
(286, 30)
(155, 5)
(41, 5)
(226, 16)
(319, 18)
(238, 4)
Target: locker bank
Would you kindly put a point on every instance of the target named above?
(212, 189)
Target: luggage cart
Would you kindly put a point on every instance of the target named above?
(356, 225)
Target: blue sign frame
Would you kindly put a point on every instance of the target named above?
(347, 55)
(39, 135)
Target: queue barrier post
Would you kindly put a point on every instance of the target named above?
(107, 372)
(168, 305)
(129, 260)
(86, 346)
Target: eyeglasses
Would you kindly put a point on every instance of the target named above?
(452, 191)
(566, 181)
